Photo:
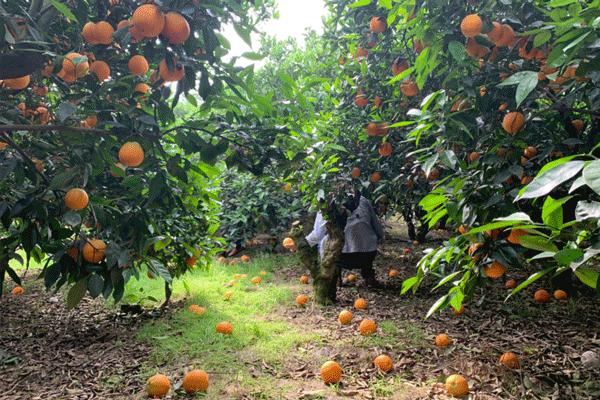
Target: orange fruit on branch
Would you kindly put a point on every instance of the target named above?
(541, 296)
(301, 300)
(443, 340)
(361, 100)
(409, 88)
(148, 20)
(345, 317)
(377, 25)
(177, 29)
(508, 36)
(355, 173)
(103, 33)
(331, 372)
(399, 66)
(495, 270)
(515, 234)
(510, 360)
(375, 177)
(360, 304)
(17, 83)
(367, 327)
(474, 156)
(173, 74)
(131, 154)
(101, 69)
(138, 65)
(384, 363)
(385, 149)
(457, 386)
(158, 386)
(91, 121)
(471, 25)
(94, 251)
(141, 88)
(225, 328)
(578, 125)
(195, 381)
(76, 199)
(496, 33)
(513, 122)
(530, 152)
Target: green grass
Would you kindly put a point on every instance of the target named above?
(260, 336)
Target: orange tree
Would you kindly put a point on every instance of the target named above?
(467, 102)
(99, 175)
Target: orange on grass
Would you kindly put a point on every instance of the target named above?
(141, 88)
(385, 149)
(138, 65)
(225, 328)
(345, 317)
(495, 270)
(195, 381)
(471, 25)
(513, 122)
(375, 177)
(331, 372)
(351, 278)
(460, 311)
(17, 83)
(409, 88)
(443, 340)
(227, 295)
(515, 235)
(510, 284)
(355, 173)
(393, 273)
(384, 363)
(377, 25)
(541, 296)
(510, 360)
(360, 304)
(301, 300)
(17, 291)
(177, 29)
(457, 386)
(256, 280)
(148, 20)
(158, 386)
(76, 199)
(288, 243)
(94, 251)
(101, 69)
(304, 279)
(560, 294)
(131, 154)
(367, 327)
(245, 259)
(174, 74)
(196, 309)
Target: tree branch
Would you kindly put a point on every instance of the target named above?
(27, 159)
(36, 128)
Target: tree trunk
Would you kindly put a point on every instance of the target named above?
(168, 293)
(407, 215)
(3, 265)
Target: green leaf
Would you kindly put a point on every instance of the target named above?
(566, 256)
(588, 276)
(360, 3)
(76, 293)
(457, 50)
(537, 243)
(95, 285)
(545, 182)
(526, 86)
(552, 213)
(407, 284)
(440, 302)
(64, 10)
(251, 55)
(517, 78)
(541, 38)
(447, 279)
(591, 175)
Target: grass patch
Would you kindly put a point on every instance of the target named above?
(261, 339)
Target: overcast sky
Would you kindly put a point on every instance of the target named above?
(294, 17)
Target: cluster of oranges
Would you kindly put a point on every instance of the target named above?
(194, 381)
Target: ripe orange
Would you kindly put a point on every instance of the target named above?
(409, 88)
(75, 65)
(301, 300)
(177, 29)
(331, 372)
(510, 284)
(40, 90)
(372, 129)
(355, 172)
(91, 121)
(457, 386)
(158, 386)
(361, 53)
(3, 145)
(384, 363)
(393, 273)
(304, 279)
(459, 312)
(256, 280)
(76, 199)
(89, 33)
(138, 65)
(530, 152)
(399, 66)
(526, 180)
(148, 20)
(345, 317)
(195, 381)
(196, 309)
(228, 295)
(578, 125)
(360, 304)
(361, 100)
(377, 25)
(123, 24)
(541, 296)
(508, 36)
(171, 75)
(560, 294)
(351, 278)
(288, 243)
(496, 33)
(17, 83)
(94, 251)
(494, 270)
(287, 187)
(443, 340)
(224, 327)
(433, 174)
(513, 122)
(476, 50)
(17, 291)
(515, 235)
(131, 154)
(510, 360)
(367, 327)
(377, 102)
(375, 177)
(191, 261)
(385, 149)
(101, 69)
(245, 259)
(141, 88)
(471, 25)
(103, 32)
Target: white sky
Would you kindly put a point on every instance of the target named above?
(294, 17)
